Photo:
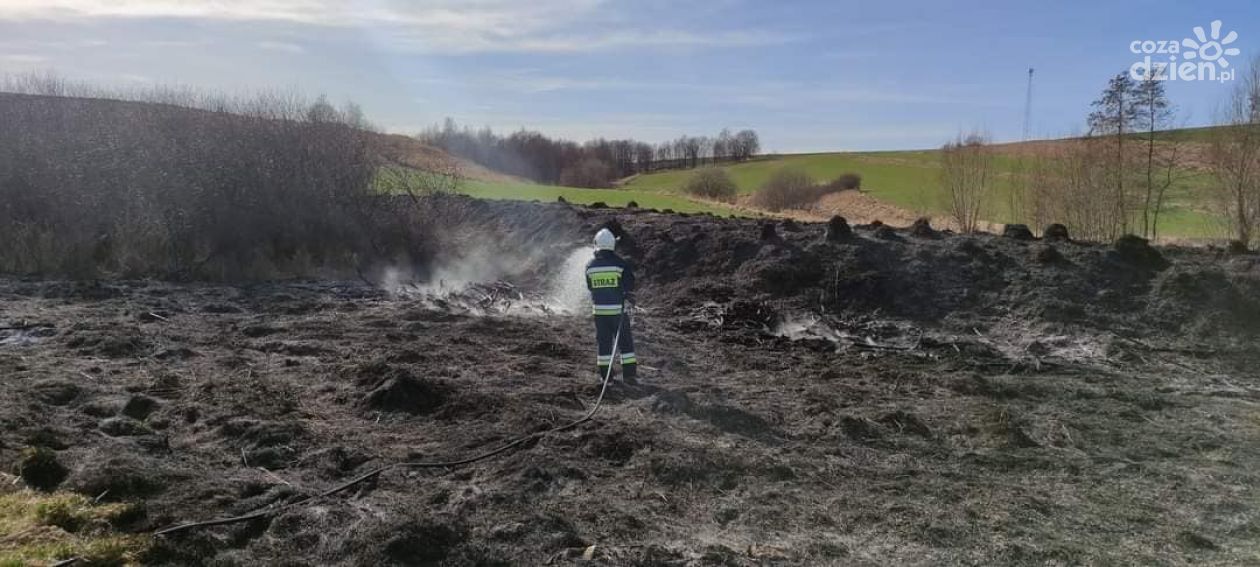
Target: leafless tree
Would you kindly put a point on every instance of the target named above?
(1114, 115)
(1234, 157)
(535, 156)
(967, 178)
(691, 149)
(1166, 171)
(1152, 113)
(590, 172)
(321, 112)
(1061, 186)
(723, 145)
(747, 145)
(643, 157)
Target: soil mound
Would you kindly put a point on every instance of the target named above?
(395, 389)
(1137, 251)
(118, 477)
(406, 540)
(57, 392)
(838, 229)
(1056, 233)
(1213, 297)
(922, 228)
(1047, 254)
(1017, 232)
(114, 343)
(140, 407)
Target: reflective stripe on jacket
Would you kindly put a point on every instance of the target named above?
(610, 281)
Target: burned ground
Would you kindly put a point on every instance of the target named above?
(876, 398)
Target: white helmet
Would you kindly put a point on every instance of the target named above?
(604, 240)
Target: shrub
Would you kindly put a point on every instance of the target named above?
(711, 183)
(846, 182)
(967, 178)
(255, 188)
(787, 189)
(590, 172)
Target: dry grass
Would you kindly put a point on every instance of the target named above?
(39, 527)
(257, 188)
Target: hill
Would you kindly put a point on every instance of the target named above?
(908, 180)
(897, 185)
(409, 152)
(395, 149)
(102, 119)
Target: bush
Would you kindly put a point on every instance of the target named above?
(591, 173)
(711, 183)
(788, 189)
(253, 189)
(846, 182)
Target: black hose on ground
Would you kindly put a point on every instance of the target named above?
(270, 510)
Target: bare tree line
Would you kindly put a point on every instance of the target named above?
(1117, 178)
(278, 104)
(179, 183)
(1234, 158)
(595, 163)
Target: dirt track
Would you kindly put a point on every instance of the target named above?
(880, 399)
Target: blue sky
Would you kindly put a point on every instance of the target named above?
(808, 76)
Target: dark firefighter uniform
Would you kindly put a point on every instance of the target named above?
(611, 282)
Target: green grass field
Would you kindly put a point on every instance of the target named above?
(911, 180)
(612, 197)
(907, 179)
(396, 179)
(902, 178)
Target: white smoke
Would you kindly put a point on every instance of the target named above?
(475, 280)
(805, 326)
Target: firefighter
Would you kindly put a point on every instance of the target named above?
(611, 282)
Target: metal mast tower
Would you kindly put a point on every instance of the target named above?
(1028, 106)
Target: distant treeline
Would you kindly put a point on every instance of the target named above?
(595, 163)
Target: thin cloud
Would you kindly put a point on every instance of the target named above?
(137, 78)
(784, 95)
(281, 46)
(432, 26)
(22, 58)
(173, 43)
(670, 38)
(51, 45)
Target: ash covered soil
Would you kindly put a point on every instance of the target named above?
(884, 397)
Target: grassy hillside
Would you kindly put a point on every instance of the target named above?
(905, 179)
(910, 180)
(395, 179)
(902, 177)
(613, 197)
(403, 153)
